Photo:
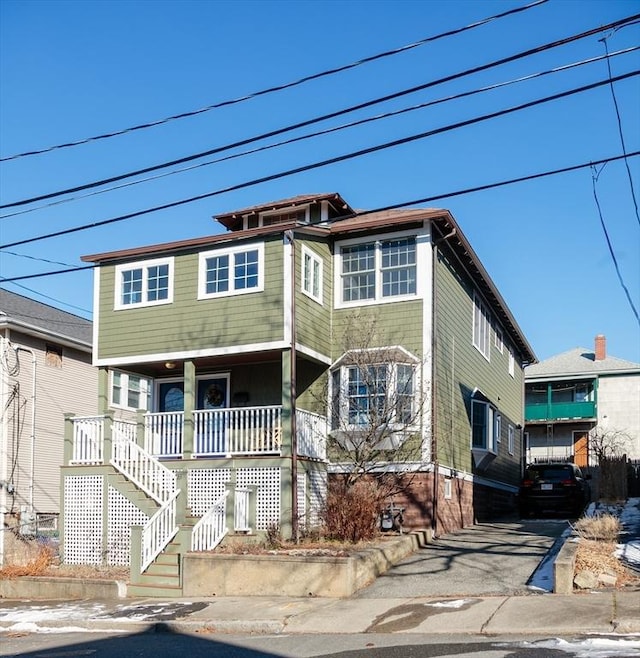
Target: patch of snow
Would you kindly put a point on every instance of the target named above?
(31, 627)
(591, 647)
(458, 603)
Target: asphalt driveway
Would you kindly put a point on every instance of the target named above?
(482, 560)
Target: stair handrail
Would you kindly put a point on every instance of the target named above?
(144, 470)
(211, 529)
(159, 530)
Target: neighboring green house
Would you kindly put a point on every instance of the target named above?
(580, 398)
(223, 370)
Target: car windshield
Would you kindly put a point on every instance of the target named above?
(553, 473)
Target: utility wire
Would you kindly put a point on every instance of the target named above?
(282, 87)
(327, 131)
(331, 115)
(53, 299)
(322, 163)
(620, 132)
(594, 179)
(404, 204)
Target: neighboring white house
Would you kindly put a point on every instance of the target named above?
(45, 370)
(579, 394)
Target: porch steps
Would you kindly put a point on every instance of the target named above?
(162, 578)
(129, 490)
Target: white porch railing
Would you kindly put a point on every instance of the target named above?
(238, 431)
(146, 472)
(163, 434)
(124, 430)
(159, 531)
(210, 530)
(312, 434)
(88, 440)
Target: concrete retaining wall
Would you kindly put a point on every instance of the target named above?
(564, 568)
(53, 588)
(209, 574)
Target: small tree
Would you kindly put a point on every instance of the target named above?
(608, 448)
(376, 402)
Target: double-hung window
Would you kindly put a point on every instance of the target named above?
(481, 327)
(144, 284)
(312, 274)
(483, 425)
(231, 271)
(373, 395)
(130, 391)
(384, 270)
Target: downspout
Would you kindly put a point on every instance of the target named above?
(294, 430)
(33, 423)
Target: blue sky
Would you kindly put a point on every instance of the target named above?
(72, 70)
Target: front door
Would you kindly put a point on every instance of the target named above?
(211, 431)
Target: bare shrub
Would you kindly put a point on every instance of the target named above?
(604, 527)
(352, 510)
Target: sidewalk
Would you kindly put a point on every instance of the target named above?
(606, 612)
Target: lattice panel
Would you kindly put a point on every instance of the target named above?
(317, 496)
(302, 497)
(83, 500)
(267, 480)
(122, 515)
(205, 486)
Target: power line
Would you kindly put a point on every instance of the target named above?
(282, 87)
(404, 204)
(53, 299)
(331, 115)
(594, 180)
(323, 163)
(620, 132)
(333, 129)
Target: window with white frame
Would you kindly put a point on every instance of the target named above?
(312, 274)
(373, 394)
(512, 439)
(130, 391)
(483, 425)
(498, 339)
(231, 271)
(144, 284)
(498, 427)
(512, 364)
(481, 327)
(378, 271)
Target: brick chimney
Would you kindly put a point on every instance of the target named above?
(601, 347)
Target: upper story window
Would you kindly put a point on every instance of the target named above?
(512, 439)
(231, 271)
(282, 217)
(498, 342)
(130, 391)
(481, 327)
(144, 284)
(512, 364)
(378, 271)
(312, 274)
(53, 356)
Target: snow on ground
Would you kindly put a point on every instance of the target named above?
(591, 647)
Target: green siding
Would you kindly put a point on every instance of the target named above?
(460, 368)
(189, 324)
(313, 320)
(395, 323)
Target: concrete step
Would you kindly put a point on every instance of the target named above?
(148, 590)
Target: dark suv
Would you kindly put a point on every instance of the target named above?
(554, 488)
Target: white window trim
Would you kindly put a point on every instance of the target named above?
(421, 238)
(306, 252)
(231, 252)
(144, 266)
(483, 311)
(343, 365)
(284, 211)
(512, 364)
(498, 340)
(145, 391)
(498, 427)
(490, 425)
(512, 440)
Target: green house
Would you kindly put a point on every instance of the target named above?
(230, 364)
